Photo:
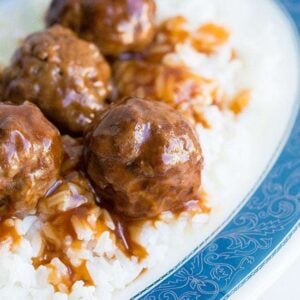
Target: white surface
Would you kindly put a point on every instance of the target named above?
(278, 279)
(287, 286)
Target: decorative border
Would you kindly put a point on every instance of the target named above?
(255, 233)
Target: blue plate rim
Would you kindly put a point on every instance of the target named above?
(160, 289)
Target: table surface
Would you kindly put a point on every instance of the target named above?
(287, 286)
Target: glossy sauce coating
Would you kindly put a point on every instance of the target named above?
(30, 156)
(206, 39)
(176, 86)
(70, 204)
(66, 77)
(115, 26)
(72, 154)
(143, 158)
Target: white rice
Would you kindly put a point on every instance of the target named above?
(236, 150)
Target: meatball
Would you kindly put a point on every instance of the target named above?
(66, 77)
(30, 155)
(143, 158)
(115, 26)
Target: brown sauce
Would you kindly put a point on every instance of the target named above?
(62, 228)
(127, 230)
(240, 101)
(65, 281)
(209, 37)
(9, 233)
(200, 118)
(206, 39)
(125, 239)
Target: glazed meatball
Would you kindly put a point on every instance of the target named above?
(143, 158)
(115, 26)
(30, 155)
(66, 77)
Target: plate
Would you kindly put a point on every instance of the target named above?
(254, 233)
(251, 233)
